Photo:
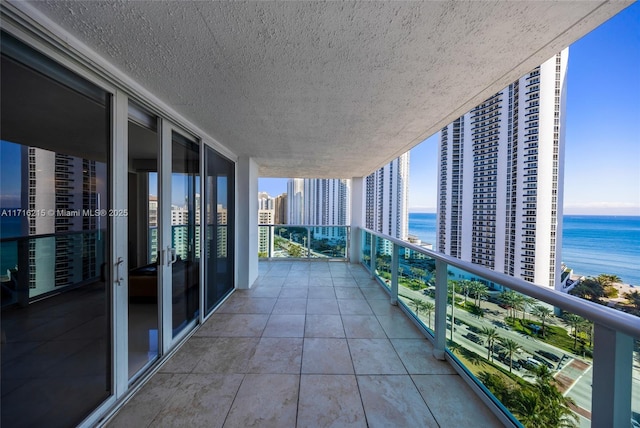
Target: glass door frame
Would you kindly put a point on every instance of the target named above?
(137, 113)
(167, 340)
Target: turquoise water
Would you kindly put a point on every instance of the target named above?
(592, 245)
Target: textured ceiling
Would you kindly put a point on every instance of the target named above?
(325, 89)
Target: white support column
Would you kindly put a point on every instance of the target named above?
(357, 219)
(612, 377)
(247, 223)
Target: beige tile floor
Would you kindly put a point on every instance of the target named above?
(310, 345)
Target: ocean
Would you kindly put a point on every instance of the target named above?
(9, 228)
(591, 245)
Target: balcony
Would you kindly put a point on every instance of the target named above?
(317, 342)
(249, 101)
(310, 344)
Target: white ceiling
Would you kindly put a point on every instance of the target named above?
(325, 89)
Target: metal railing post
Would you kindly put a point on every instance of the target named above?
(308, 242)
(347, 244)
(394, 274)
(373, 255)
(612, 378)
(440, 330)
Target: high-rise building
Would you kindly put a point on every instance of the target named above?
(265, 202)
(501, 175)
(319, 202)
(180, 219)
(281, 209)
(222, 233)
(63, 189)
(265, 234)
(387, 192)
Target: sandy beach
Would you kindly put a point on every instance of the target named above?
(622, 290)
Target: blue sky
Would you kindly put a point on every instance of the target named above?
(602, 145)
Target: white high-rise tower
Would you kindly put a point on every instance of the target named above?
(501, 176)
(387, 193)
(315, 201)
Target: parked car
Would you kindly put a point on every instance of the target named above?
(528, 364)
(475, 339)
(548, 355)
(498, 349)
(473, 328)
(543, 361)
(532, 363)
(514, 363)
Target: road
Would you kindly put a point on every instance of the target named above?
(493, 318)
(580, 379)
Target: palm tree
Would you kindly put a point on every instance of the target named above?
(589, 289)
(416, 303)
(518, 304)
(607, 279)
(465, 287)
(509, 298)
(428, 308)
(543, 405)
(416, 273)
(479, 290)
(633, 297)
(574, 321)
(381, 264)
(496, 384)
(529, 302)
(491, 334)
(512, 347)
(541, 312)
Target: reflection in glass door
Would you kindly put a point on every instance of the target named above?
(142, 240)
(56, 325)
(185, 231)
(219, 209)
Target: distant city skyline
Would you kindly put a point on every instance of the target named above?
(602, 163)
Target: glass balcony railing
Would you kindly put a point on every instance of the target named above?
(36, 266)
(303, 242)
(538, 356)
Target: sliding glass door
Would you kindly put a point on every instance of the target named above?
(142, 240)
(55, 146)
(116, 239)
(184, 253)
(219, 220)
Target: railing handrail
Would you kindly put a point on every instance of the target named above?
(303, 225)
(51, 235)
(607, 317)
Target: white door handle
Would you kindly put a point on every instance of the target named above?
(172, 256)
(119, 278)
